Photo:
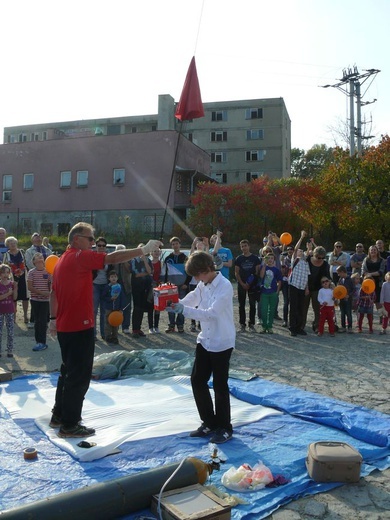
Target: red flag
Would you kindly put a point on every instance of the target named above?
(190, 105)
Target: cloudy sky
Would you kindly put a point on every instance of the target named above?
(85, 59)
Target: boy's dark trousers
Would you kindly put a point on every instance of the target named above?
(41, 314)
(216, 364)
(346, 312)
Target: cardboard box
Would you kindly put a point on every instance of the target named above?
(5, 375)
(191, 503)
(329, 461)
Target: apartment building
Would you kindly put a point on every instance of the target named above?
(245, 139)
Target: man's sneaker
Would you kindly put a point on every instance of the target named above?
(39, 346)
(180, 329)
(151, 331)
(77, 431)
(55, 421)
(202, 431)
(252, 328)
(156, 330)
(221, 435)
(170, 328)
(242, 328)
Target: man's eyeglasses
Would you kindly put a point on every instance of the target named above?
(91, 239)
(320, 257)
(100, 245)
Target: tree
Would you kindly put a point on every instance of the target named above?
(310, 164)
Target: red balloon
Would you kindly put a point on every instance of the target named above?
(368, 286)
(286, 238)
(50, 263)
(115, 318)
(340, 292)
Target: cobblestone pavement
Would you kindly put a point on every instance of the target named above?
(351, 367)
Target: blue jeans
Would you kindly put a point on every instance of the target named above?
(346, 312)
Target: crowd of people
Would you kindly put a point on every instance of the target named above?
(88, 286)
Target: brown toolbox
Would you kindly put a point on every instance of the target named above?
(330, 461)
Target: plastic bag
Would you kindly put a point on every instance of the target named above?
(246, 478)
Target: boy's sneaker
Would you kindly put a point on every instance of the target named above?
(156, 330)
(341, 329)
(126, 331)
(242, 328)
(221, 435)
(76, 432)
(170, 328)
(55, 421)
(39, 346)
(180, 329)
(252, 328)
(151, 331)
(202, 431)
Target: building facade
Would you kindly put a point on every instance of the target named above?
(245, 139)
(50, 184)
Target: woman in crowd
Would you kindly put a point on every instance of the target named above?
(15, 258)
(374, 267)
(319, 268)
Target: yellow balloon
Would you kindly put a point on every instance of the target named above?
(50, 263)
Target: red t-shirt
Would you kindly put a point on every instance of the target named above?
(72, 283)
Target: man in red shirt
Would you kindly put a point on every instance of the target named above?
(72, 318)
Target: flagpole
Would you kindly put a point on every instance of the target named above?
(171, 180)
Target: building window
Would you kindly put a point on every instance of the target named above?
(254, 113)
(218, 136)
(34, 137)
(7, 188)
(179, 182)
(219, 115)
(119, 176)
(28, 181)
(26, 226)
(154, 128)
(133, 129)
(113, 129)
(221, 177)
(66, 179)
(22, 138)
(190, 137)
(11, 139)
(82, 178)
(152, 224)
(255, 155)
(44, 136)
(254, 134)
(218, 157)
(251, 176)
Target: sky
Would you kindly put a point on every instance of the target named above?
(87, 59)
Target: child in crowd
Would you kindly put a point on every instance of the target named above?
(385, 301)
(345, 303)
(113, 301)
(271, 284)
(39, 285)
(326, 301)
(153, 315)
(8, 293)
(211, 302)
(355, 277)
(366, 306)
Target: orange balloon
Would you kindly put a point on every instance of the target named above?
(340, 292)
(115, 318)
(50, 263)
(286, 239)
(368, 286)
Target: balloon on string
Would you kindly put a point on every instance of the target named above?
(368, 286)
(339, 292)
(115, 318)
(286, 238)
(50, 263)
